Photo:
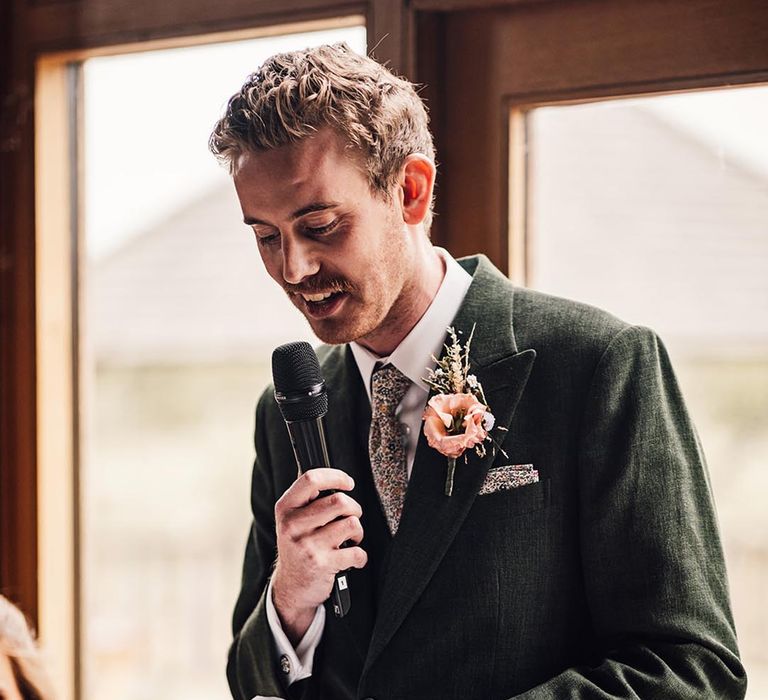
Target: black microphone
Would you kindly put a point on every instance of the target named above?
(300, 393)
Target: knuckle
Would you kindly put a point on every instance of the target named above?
(312, 557)
(282, 524)
(288, 530)
(302, 548)
(347, 505)
(354, 526)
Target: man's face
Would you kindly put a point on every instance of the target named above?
(342, 254)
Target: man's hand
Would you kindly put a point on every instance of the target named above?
(309, 532)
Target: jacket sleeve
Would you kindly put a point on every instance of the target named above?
(651, 554)
(253, 669)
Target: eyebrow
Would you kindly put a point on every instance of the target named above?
(316, 206)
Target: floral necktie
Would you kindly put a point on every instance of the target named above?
(386, 442)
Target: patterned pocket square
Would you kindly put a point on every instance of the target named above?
(510, 476)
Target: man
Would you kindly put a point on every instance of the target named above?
(599, 575)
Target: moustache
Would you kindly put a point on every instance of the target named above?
(316, 285)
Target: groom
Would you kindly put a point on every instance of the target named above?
(580, 560)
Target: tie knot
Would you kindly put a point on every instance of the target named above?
(388, 387)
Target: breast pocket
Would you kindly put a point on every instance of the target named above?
(506, 528)
(515, 501)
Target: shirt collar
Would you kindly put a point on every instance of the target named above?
(414, 354)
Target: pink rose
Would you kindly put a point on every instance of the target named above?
(440, 417)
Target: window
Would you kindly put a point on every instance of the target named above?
(656, 209)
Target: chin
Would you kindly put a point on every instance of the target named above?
(333, 335)
(340, 333)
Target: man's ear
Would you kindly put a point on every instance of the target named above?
(417, 180)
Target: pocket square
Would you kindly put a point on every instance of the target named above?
(510, 476)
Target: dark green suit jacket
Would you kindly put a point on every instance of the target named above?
(603, 580)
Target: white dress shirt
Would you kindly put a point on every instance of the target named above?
(412, 357)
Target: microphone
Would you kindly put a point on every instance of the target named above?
(301, 396)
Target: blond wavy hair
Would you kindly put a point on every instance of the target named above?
(292, 95)
(18, 644)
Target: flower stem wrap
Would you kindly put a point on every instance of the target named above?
(449, 476)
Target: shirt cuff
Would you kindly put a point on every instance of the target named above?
(296, 664)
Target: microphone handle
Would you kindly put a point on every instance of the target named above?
(311, 450)
(309, 445)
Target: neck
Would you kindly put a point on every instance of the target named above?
(415, 298)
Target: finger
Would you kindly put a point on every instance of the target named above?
(320, 512)
(336, 533)
(309, 485)
(349, 558)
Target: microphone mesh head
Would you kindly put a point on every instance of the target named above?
(296, 372)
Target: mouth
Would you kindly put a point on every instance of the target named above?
(322, 304)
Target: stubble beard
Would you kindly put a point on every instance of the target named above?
(362, 317)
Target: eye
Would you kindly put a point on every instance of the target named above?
(266, 236)
(320, 230)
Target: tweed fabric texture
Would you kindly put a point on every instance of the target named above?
(386, 443)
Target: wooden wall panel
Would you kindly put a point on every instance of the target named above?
(429, 34)
(18, 483)
(631, 44)
(390, 35)
(465, 108)
(86, 24)
(458, 5)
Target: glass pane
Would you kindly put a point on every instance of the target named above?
(179, 324)
(657, 210)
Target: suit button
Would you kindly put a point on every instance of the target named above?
(285, 664)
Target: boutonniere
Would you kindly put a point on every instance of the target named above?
(457, 418)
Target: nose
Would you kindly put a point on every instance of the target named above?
(300, 260)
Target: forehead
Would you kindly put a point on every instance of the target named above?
(321, 167)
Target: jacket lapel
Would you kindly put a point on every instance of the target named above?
(431, 520)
